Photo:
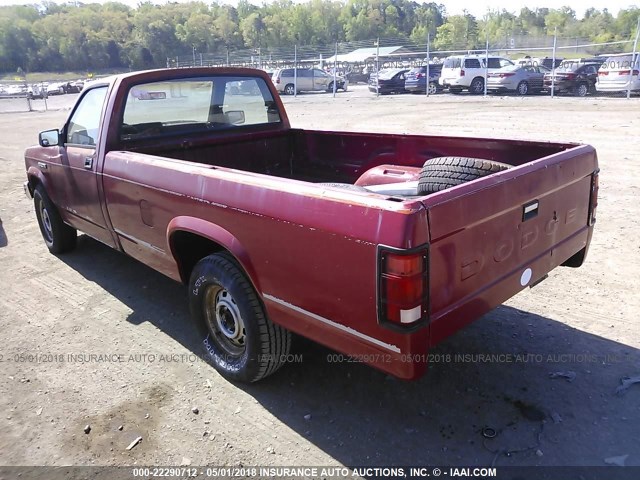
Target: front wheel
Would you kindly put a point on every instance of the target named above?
(241, 341)
(58, 236)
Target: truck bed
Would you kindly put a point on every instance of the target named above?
(341, 157)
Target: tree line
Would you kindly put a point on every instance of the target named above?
(76, 36)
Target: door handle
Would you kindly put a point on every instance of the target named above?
(88, 163)
(42, 165)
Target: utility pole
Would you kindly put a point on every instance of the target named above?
(553, 66)
(378, 67)
(634, 60)
(428, 80)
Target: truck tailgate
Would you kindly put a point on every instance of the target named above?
(495, 236)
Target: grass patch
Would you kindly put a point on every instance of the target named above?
(37, 77)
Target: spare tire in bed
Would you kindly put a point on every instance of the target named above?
(441, 173)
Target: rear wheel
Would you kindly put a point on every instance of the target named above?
(58, 236)
(289, 89)
(432, 88)
(445, 172)
(581, 90)
(523, 88)
(241, 341)
(477, 86)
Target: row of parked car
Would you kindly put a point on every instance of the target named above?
(468, 72)
(40, 90)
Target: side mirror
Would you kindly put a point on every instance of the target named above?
(49, 138)
(235, 117)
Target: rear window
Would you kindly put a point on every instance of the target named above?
(620, 62)
(191, 105)
(452, 62)
(499, 62)
(568, 66)
(472, 63)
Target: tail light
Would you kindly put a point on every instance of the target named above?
(403, 287)
(505, 75)
(570, 76)
(603, 74)
(627, 72)
(278, 79)
(593, 201)
(420, 75)
(461, 73)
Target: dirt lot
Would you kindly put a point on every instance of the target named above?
(96, 301)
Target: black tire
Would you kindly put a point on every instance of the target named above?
(445, 172)
(289, 89)
(522, 88)
(581, 90)
(330, 87)
(241, 342)
(433, 88)
(57, 235)
(345, 186)
(477, 86)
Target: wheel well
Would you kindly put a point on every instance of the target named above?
(34, 181)
(189, 248)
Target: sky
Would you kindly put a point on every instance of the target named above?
(477, 7)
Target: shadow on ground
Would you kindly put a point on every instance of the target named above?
(547, 391)
(3, 236)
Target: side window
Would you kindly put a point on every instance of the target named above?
(494, 63)
(505, 62)
(304, 72)
(471, 63)
(85, 122)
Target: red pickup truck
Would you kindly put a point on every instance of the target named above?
(375, 245)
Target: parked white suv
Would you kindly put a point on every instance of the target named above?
(468, 71)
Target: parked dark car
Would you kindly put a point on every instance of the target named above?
(358, 76)
(574, 77)
(416, 79)
(388, 81)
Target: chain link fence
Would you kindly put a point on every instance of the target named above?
(549, 65)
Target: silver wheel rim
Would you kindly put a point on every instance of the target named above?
(289, 90)
(432, 89)
(523, 89)
(477, 86)
(582, 90)
(46, 223)
(224, 320)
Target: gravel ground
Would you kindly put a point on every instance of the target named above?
(582, 324)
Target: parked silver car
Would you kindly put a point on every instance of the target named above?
(522, 79)
(305, 80)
